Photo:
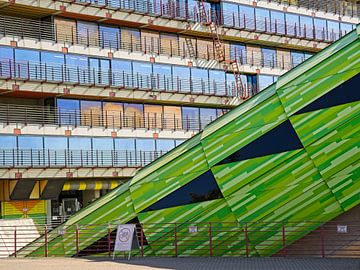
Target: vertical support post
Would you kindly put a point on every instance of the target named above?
(210, 240)
(322, 234)
(108, 240)
(46, 241)
(142, 241)
(15, 248)
(283, 251)
(175, 241)
(246, 241)
(77, 240)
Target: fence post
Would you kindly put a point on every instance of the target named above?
(46, 241)
(322, 241)
(109, 240)
(77, 240)
(175, 241)
(246, 241)
(210, 240)
(15, 249)
(142, 241)
(283, 251)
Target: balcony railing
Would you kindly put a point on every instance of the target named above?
(56, 73)
(65, 158)
(25, 28)
(41, 115)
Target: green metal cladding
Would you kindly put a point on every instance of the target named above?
(315, 182)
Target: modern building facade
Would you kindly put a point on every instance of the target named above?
(93, 90)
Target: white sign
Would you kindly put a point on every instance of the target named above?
(193, 229)
(126, 238)
(341, 229)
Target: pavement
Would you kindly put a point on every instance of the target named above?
(196, 263)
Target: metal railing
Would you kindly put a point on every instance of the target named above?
(340, 7)
(66, 158)
(56, 73)
(46, 115)
(26, 28)
(244, 239)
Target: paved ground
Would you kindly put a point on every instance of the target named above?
(180, 264)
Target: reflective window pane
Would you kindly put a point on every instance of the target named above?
(53, 65)
(190, 118)
(68, 112)
(27, 64)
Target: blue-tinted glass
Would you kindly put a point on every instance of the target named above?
(30, 142)
(53, 64)
(162, 77)
(88, 33)
(31, 151)
(145, 144)
(77, 68)
(190, 118)
(207, 115)
(102, 148)
(122, 73)
(262, 19)
(125, 152)
(28, 64)
(238, 52)
(7, 146)
(269, 57)
(6, 60)
(163, 145)
(230, 85)
(178, 142)
(292, 24)
(202, 188)
(346, 28)
(142, 74)
(181, 79)
(55, 143)
(306, 27)
(68, 111)
(200, 80)
(320, 29)
(80, 153)
(297, 58)
(216, 82)
(125, 144)
(265, 81)
(55, 150)
(333, 30)
(247, 19)
(231, 15)
(99, 71)
(109, 37)
(79, 143)
(278, 22)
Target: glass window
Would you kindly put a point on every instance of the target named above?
(53, 64)
(172, 117)
(68, 111)
(231, 15)
(292, 24)
(345, 28)
(76, 68)
(125, 152)
(109, 37)
(181, 79)
(55, 143)
(6, 59)
(124, 144)
(80, 153)
(262, 19)
(7, 144)
(91, 113)
(102, 149)
(247, 19)
(122, 73)
(333, 30)
(145, 151)
(150, 42)
(79, 143)
(56, 150)
(207, 115)
(27, 64)
(190, 118)
(238, 52)
(306, 27)
(88, 33)
(99, 71)
(169, 44)
(30, 142)
(297, 58)
(216, 82)
(164, 146)
(200, 80)
(145, 144)
(130, 39)
(65, 30)
(320, 28)
(134, 115)
(230, 85)
(277, 22)
(205, 49)
(162, 77)
(153, 116)
(142, 74)
(178, 142)
(31, 151)
(113, 114)
(269, 57)
(265, 81)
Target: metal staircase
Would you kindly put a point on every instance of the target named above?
(241, 91)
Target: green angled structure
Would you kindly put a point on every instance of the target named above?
(290, 154)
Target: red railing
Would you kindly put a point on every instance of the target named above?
(245, 239)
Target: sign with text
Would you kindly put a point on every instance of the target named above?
(126, 239)
(341, 229)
